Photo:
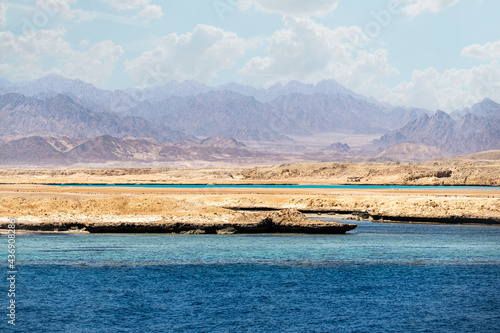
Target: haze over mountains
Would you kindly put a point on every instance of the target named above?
(468, 134)
(60, 115)
(71, 121)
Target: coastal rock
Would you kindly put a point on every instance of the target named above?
(291, 220)
(226, 231)
(193, 232)
(284, 221)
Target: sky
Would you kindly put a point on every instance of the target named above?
(435, 54)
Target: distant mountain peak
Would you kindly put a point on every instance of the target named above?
(486, 108)
(338, 147)
(441, 114)
(222, 142)
(487, 101)
(52, 76)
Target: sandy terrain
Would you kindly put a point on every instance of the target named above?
(24, 196)
(455, 171)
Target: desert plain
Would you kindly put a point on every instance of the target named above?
(34, 199)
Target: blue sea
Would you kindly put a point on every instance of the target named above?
(377, 278)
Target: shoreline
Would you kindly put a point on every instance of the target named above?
(85, 206)
(283, 221)
(255, 184)
(88, 202)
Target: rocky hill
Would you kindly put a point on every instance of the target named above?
(30, 151)
(338, 147)
(53, 151)
(490, 155)
(410, 152)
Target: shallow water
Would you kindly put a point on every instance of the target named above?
(285, 186)
(377, 278)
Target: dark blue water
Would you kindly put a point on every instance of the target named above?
(379, 278)
(285, 186)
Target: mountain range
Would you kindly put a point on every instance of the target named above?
(232, 114)
(70, 120)
(232, 110)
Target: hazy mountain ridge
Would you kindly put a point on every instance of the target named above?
(192, 88)
(232, 114)
(221, 112)
(328, 113)
(274, 101)
(469, 134)
(173, 88)
(327, 87)
(83, 93)
(22, 115)
(121, 100)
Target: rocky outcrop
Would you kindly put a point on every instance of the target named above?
(291, 220)
(284, 221)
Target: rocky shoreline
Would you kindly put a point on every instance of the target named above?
(365, 216)
(283, 221)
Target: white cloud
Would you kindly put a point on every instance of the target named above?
(95, 65)
(62, 8)
(56, 7)
(3, 15)
(416, 7)
(297, 8)
(80, 15)
(198, 55)
(453, 89)
(146, 9)
(47, 51)
(308, 52)
(128, 4)
(151, 12)
(486, 51)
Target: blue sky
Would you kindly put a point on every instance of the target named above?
(437, 54)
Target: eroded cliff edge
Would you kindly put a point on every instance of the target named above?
(283, 221)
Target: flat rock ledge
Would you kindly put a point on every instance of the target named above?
(283, 221)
